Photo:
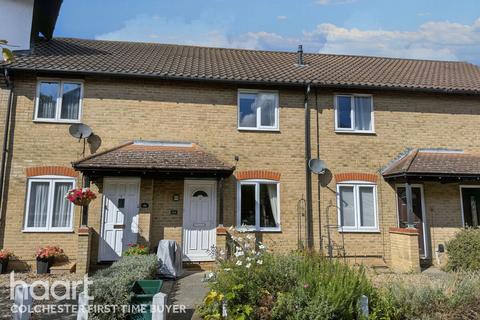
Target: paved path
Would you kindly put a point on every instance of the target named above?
(189, 291)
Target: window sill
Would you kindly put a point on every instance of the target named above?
(358, 231)
(355, 132)
(56, 121)
(47, 231)
(258, 129)
(264, 230)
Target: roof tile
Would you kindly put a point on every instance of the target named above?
(156, 156)
(203, 63)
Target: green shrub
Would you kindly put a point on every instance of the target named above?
(259, 285)
(464, 251)
(111, 286)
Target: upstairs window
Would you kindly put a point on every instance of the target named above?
(47, 208)
(354, 113)
(58, 101)
(357, 207)
(257, 110)
(258, 205)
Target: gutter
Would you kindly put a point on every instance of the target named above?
(6, 138)
(297, 84)
(430, 176)
(319, 205)
(308, 174)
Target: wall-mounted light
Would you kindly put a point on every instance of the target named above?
(176, 197)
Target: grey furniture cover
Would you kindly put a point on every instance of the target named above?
(169, 254)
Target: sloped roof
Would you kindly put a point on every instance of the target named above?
(425, 162)
(154, 156)
(167, 61)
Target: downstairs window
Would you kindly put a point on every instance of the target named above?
(258, 207)
(357, 207)
(47, 208)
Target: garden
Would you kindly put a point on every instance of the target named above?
(253, 283)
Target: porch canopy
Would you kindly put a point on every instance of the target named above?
(437, 165)
(175, 160)
(154, 158)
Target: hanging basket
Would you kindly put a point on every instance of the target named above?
(82, 202)
(81, 197)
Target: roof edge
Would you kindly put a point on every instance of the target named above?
(303, 83)
(76, 163)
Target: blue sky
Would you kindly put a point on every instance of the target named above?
(426, 29)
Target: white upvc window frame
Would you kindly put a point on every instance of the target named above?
(352, 113)
(257, 228)
(357, 228)
(58, 106)
(259, 126)
(51, 194)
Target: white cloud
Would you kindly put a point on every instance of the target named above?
(281, 18)
(158, 29)
(432, 40)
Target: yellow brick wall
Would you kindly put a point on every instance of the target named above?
(443, 207)
(404, 248)
(3, 108)
(402, 120)
(122, 110)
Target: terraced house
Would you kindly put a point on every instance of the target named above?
(188, 141)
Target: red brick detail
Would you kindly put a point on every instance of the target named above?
(51, 171)
(258, 174)
(221, 231)
(84, 231)
(356, 176)
(404, 230)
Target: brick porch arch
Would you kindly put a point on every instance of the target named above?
(356, 176)
(51, 171)
(258, 174)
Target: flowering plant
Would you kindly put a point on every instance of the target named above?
(135, 249)
(48, 252)
(5, 254)
(235, 281)
(81, 197)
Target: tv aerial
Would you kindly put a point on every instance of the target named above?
(317, 166)
(81, 132)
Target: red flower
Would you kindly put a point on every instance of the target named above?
(81, 197)
(48, 252)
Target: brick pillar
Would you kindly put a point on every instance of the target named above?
(83, 250)
(222, 235)
(405, 255)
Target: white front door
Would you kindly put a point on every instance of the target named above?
(199, 220)
(119, 216)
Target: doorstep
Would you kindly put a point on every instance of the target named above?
(199, 265)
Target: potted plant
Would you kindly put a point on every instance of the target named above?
(81, 197)
(135, 249)
(45, 257)
(5, 255)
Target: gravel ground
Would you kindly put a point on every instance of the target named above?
(29, 278)
(429, 275)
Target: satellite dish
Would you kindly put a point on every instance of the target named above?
(80, 131)
(317, 166)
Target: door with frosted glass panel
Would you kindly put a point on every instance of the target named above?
(417, 214)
